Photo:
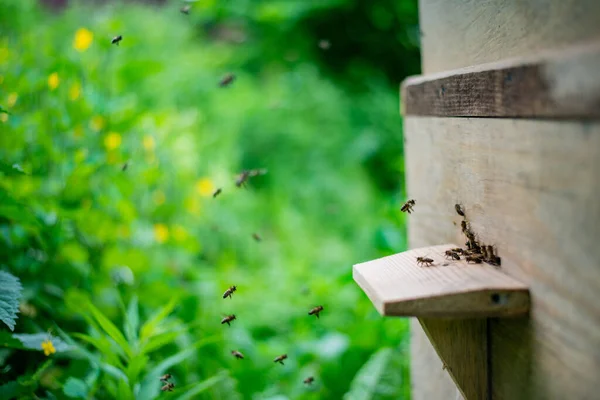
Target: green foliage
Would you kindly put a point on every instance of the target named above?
(380, 378)
(108, 161)
(9, 298)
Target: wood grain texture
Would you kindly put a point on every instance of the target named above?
(461, 33)
(555, 85)
(427, 367)
(462, 346)
(397, 286)
(532, 188)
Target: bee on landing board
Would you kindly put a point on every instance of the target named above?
(227, 80)
(237, 354)
(309, 380)
(315, 311)
(424, 261)
(474, 258)
(116, 40)
(457, 250)
(216, 193)
(449, 254)
(490, 255)
(408, 206)
(280, 359)
(165, 377)
(229, 292)
(459, 210)
(168, 387)
(227, 320)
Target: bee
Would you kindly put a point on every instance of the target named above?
(457, 250)
(464, 226)
(256, 237)
(237, 354)
(217, 192)
(227, 80)
(125, 166)
(309, 380)
(491, 257)
(228, 319)
(168, 387)
(229, 292)
(186, 9)
(452, 255)
(424, 261)
(165, 377)
(459, 210)
(408, 206)
(116, 40)
(280, 359)
(475, 258)
(243, 177)
(315, 311)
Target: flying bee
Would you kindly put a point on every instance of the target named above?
(309, 380)
(185, 9)
(408, 206)
(165, 377)
(315, 311)
(424, 261)
(227, 80)
(324, 44)
(228, 319)
(449, 254)
(280, 359)
(459, 210)
(237, 354)
(217, 192)
(243, 177)
(256, 237)
(475, 258)
(229, 292)
(168, 387)
(116, 40)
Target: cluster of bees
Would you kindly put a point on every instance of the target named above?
(474, 251)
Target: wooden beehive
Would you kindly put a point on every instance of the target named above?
(505, 120)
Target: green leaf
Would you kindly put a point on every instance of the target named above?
(33, 341)
(110, 329)
(132, 320)
(191, 392)
(75, 388)
(160, 340)
(10, 294)
(380, 378)
(150, 326)
(105, 347)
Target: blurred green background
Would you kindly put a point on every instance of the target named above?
(123, 268)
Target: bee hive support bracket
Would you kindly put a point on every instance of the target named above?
(452, 300)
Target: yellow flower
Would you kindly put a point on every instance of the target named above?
(74, 91)
(4, 117)
(149, 143)
(80, 155)
(205, 187)
(97, 123)
(161, 233)
(159, 197)
(48, 347)
(179, 233)
(112, 140)
(83, 39)
(53, 81)
(12, 99)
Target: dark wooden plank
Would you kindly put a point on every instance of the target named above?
(462, 346)
(557, 85)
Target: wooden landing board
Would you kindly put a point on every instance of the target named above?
(397, 286)
(557, 85)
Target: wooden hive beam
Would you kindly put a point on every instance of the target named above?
(397, 286)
